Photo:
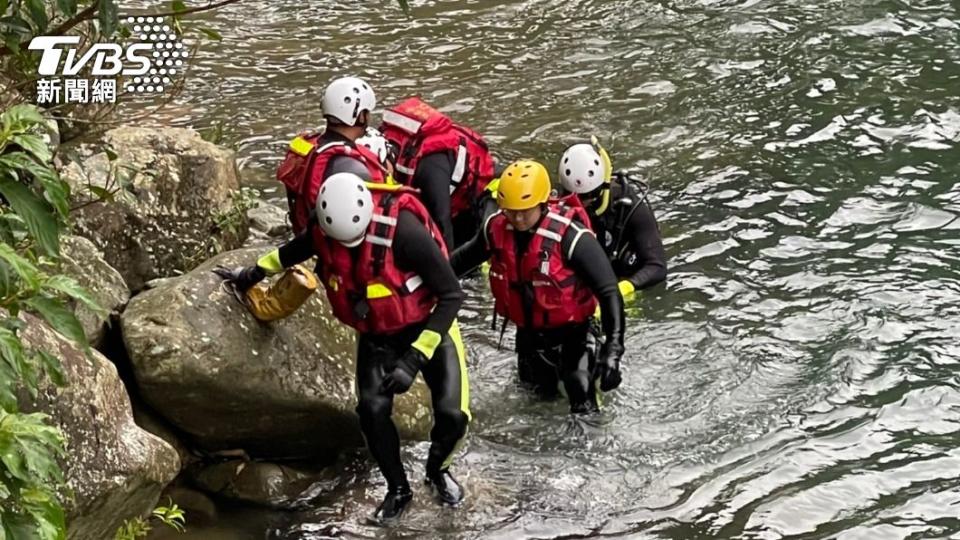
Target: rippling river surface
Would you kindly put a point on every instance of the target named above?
(798, 375)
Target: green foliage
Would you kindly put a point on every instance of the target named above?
(235, 216)
(108, 17)
(171, 516)
(213, 133)
(210, 33)
(33, 213)
(133, 529)
(228, 223)
(29, 184)
(29, 448)
(138, 527)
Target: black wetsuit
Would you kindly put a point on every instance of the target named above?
(414, 250)
(566, 354)
(630, 235)
(432, 178)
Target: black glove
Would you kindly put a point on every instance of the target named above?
(607, 369)
(400, 379)
(241, 278)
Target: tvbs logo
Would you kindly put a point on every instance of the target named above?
(107, 57)
(146, 66)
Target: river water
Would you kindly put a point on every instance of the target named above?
(798, 375)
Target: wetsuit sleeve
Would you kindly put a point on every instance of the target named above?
(415, 251)
(472, 254)
(348, 164)
(432, 178)
(588, 260)
(297, 250)
(644, 237)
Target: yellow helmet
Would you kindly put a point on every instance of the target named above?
(524, 184)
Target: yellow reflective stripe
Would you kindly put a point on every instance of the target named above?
(427, 343)
(301, 146)
(376, 186)
(462, 359)
(494, 186)
(271, 262)
(378, 290)
(454, 334)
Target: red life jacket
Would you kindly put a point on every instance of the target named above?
(301, 172)
(419, 130)
(559, 296)
(366, 290)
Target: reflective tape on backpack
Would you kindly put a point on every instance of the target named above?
(459, 169)
(386, 220)
(405, 170)
(301, 146)
(403, 122)
(380, 241)
(413, 283)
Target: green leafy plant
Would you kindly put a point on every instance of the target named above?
(171, 516)
(33, 214)
(235, 216)
(228, 223)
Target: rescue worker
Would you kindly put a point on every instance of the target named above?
(449, 163)
(619, 215)
(312, 157)
(386, 274)
(547, 273)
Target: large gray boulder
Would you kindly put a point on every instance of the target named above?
(275, 390)
(115, 469)
(265, 484)
(84, 262)
(270, 219)
(175, 209)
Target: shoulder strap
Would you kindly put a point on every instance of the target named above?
(382, 239)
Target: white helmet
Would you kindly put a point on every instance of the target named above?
(581, 169)
(345, 98)
(377, 143)
(344, 208)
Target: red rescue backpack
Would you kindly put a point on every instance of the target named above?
(417, 129)
(302, 169)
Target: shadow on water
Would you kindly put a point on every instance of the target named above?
(796, 378)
